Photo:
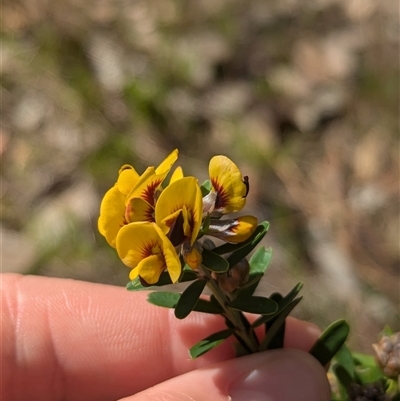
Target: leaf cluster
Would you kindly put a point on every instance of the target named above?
(271, 310)
(354, 372)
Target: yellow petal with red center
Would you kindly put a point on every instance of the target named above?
(112, 211)
(227, 181)
(151, 268)
(138, 241)
(139, 210)
(127, 179)
(167, 163)
(184, 192)
(176, 175)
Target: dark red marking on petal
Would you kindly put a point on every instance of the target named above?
(148, 194)
(247, 184)
(222, 197)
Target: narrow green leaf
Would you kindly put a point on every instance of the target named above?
(214, 262)
(189, 298)
(283, 302)
(228, 248)
(208, 307)
(344, 358)
(209, 343)
(260, 260)
(330, 341)
(342, 375)
(275, 326)
(135, 285)
(255, 304)
(205, 187)
(164, 299)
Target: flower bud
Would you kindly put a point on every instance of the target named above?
(388, 354)
(367, 392)
(235, 277)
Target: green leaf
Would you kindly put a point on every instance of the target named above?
(210, 342)
(214, 262)
(255, 304)
(208, 307)
(241, 253)
(260, 260)
(330, 341)
(164, 299)
(283, 302)
(205, 187)
(189, 298)
(274, 329)
(247, 289)
(342, 375)
(364, 360)
(261, 230)
(344, 358)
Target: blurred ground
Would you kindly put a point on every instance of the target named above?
(302, 95)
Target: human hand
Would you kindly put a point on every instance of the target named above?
(71, 340)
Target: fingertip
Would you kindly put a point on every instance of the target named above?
(279, 375)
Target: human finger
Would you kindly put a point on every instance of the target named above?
(278, 375)
(65, 339)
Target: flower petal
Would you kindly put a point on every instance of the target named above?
(227, 181)
(127, 179)
(150, 268)
(139, 210)
(112, 211)
(167, 163)
(233, 230)
(176, 175)
(137, 242)
(184, 192)
(191, 255)
(171, 257)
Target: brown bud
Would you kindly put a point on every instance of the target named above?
(387, 352)
(367, 392)
(234, 277)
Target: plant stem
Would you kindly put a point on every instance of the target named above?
(235, 317)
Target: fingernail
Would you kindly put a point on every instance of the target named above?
(282, 375)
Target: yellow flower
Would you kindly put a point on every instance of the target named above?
(233, 230)
(144, 247)
(117, 207)
(227, 182)
(179, 210)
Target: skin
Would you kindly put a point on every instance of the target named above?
(69, 340)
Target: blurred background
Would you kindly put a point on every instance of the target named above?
(302, 94)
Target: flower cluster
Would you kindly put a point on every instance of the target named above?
(156, 226)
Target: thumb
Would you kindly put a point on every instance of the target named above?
(278, 375)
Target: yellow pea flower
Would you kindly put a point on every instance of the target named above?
(148, 252)
(179, 210)
(116, 209)
(227, 182)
